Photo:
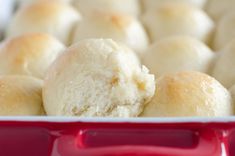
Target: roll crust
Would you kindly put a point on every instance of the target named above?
(172, 19)
(189, 94)
(46, 17)
(29, 54)
(20, 95)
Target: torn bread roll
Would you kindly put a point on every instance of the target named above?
(224, 66)
(189, 94)
(176, 54)
(20, 96)
(129, 7)
(29, 54)
(55, 18)
(172, 19)
(97, 78)
(120, 27)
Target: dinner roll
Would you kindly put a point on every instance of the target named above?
(149, 4)
(218, 8)
(225, 31)
(86, 7)
(20, 95)
(120, 27)
(29, 54)
(57, 19)
(97, 78)
(189, 94)
(178, 53)
(172, 19)
(225, 65)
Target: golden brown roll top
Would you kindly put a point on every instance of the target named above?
(171, 19)
(57, 19)
(20, 95)
(120, 27)
(29, 54)
(176, 54)
(189, 94)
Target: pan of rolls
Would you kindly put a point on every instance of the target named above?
(117, 77)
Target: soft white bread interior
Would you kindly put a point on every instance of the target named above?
(176, 54)
(20, 95)
(97, 78)
(29, 54)
(120, 27)
(129, 7)
(189, 94)
(55, 18)
(172, 19)
(224, 68)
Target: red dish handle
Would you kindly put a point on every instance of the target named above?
(125, 142)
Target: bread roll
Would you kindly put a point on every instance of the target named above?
(120, 27)
(189, 94)
(172, 19)
(129, 7)
(20, 95)
(218, 8)
(97, 78)
(29, 54)
(57, 19)
(176, 54)
(149, 4)
(225, 31)
(225, 65)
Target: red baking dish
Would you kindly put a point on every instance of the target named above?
(60, 136)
